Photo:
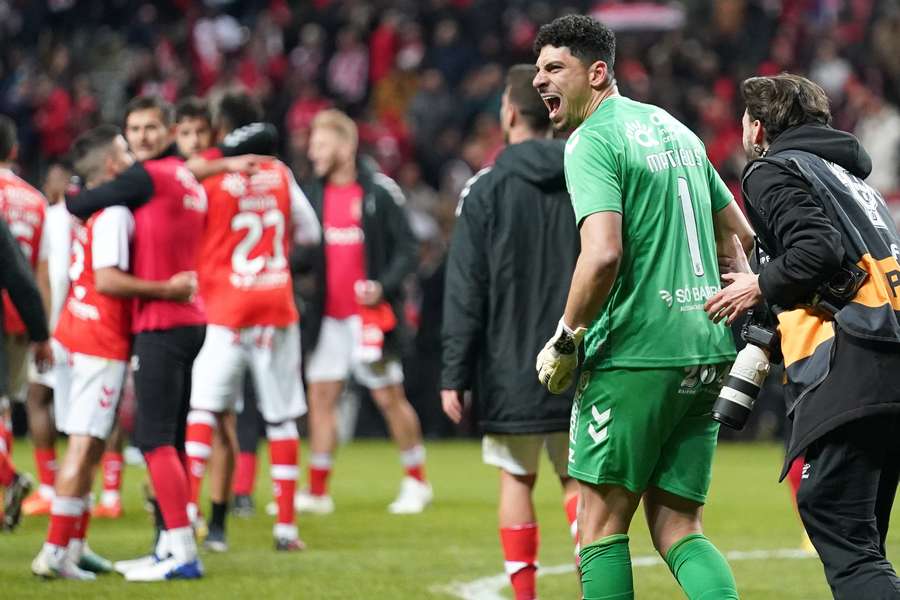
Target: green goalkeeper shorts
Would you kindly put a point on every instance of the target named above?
(641, 428)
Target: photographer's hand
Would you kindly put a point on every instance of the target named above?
(741, 295)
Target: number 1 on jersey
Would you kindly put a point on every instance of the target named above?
(690, 225)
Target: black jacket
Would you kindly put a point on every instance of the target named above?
(391, 255)
(508, 274)
(814, 216)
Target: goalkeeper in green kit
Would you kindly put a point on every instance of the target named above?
(656, 222)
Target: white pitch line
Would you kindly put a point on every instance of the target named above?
(488, 588)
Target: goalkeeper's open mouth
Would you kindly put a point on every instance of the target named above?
(553, 102)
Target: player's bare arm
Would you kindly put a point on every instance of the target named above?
(595, 274)
(727, 223)
(596, 269)
(181, 287)
(42, 277)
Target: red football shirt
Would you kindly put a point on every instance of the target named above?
(90, 322)
(23, 208)
(167, 235)
(345, 255)
(245, 278)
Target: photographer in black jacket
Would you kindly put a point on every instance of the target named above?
(508, 270)
(834, 284)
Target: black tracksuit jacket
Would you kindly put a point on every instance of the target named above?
(509, 268)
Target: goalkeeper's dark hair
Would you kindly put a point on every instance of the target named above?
(192, 107)
(148, 103)
(88, 150)
(236, 109)
(526, 99)
(784, 101)
(8, 137)
(586, 38)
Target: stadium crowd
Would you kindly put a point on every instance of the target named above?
(420, 88)
(423, 79)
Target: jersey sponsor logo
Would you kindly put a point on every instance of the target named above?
(641, 134)
(82, 310)
(698, 375)
(344, 236)
(234, 184)
(688, 298)
(666, 296)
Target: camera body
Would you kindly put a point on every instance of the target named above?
(750, 369)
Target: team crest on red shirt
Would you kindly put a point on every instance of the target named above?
(234, 184)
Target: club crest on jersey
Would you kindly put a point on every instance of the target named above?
(234, 184)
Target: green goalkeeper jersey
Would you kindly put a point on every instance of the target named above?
(638, 160)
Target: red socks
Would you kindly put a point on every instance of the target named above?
(170, 484)
(198, 445)
(319, 472)
(79, 531)
(7, 469)
(284, 448)
(520, 549)
(112, 463)
(66, 516)
(244, 474)
(45, 460)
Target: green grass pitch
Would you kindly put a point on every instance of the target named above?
(363, 552)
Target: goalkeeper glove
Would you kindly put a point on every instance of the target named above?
(556, 363)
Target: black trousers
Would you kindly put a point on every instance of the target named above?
(845, 499)
(162, 363)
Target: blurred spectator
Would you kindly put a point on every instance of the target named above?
(347, 71)
(878, 130)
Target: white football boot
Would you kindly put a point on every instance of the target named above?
(414, 496)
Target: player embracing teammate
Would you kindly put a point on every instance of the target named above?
(169, 207)
(245, 280)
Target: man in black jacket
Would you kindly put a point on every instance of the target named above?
(508, 269)
(18, 281)
(353, 321)
(834, 282)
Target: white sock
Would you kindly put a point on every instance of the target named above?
(320, 460)
(45, 491)
(182, 544)
(413, 457)
(109, 497)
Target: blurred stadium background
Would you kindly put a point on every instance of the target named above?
(423, 79)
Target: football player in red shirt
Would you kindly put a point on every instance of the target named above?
(368, 252)
(92, 347)
(23, 208)
(252, 223)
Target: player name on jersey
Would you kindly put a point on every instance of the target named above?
(674, 158)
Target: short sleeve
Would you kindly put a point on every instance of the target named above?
(719, 194)
(593, 175)
(112, 231)
(306, 224)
